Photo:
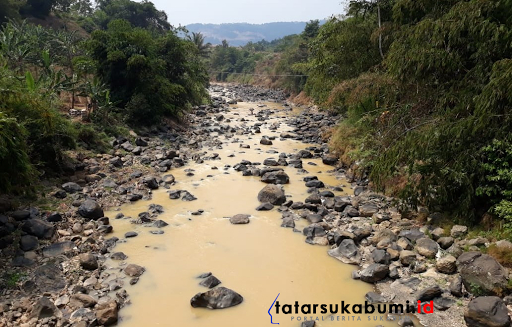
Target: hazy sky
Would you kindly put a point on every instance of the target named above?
(247, 11)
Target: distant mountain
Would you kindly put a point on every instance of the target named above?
(240, 33)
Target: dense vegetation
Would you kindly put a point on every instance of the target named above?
(132, 69)
(426, 90)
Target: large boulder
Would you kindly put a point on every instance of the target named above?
(346, 252)
(447, 265)
(88, 261)
(427, 247)
(374, 273)
(217, 298)
(240, 219)
(482, 274)
(72, 187)
(487, 311)
(330, 160)
(275, 177)
(38, 228)
(368, 209)
(90, 209)
(150, 182)
(107, 313)
(273, 194)
(133, 270)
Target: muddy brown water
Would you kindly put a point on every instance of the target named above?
(259, 260)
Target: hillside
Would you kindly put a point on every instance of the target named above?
(241, 33)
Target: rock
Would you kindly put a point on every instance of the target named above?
(368, 209)
(174, 194)
(80, 300)
(118, 256)
(72, 187)
(160, 224)
(346, 252)
(61, 194)
(205, 275)
(28, 243)
(504, 244)
(404, 243)
(107, 313)
(272, 194)
(458, 231)
(315, 183)
(429, 293)
(447, 265)
(443, 303)
(314, 230)
(265, 141)
(275, 177)
(456, 286)
(314, 218)
(309, 323)
(487, 311)
(412, 234)
(407, 257)
(88, 261)
(150, 182)
(379, 218)
(373, 297)
(239, 219)
(134, 197)
(38, 228)
(20, 215)
(108, 183)
(384, 234)
(330, 160)
(133, 270)
(188, 196)
(130, 234)
(217, 298)
(427, 247)
(482, 274)
(90, 209)
(405, 321)
(437, 233)
(82, 314)
(445, 242)
(57, 249)
(265, 207)
(210, 282)
(288, 222)
(54, 217)
(140, 142)
(270, 162)
(381, 256)
(374, 273)
(314, 199)
(168, 179)
(43, 308)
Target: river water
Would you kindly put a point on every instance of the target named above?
(259, 260)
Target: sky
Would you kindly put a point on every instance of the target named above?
(247, 11)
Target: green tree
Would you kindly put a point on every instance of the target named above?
(149, 77)
(139, 14)
(198, 40)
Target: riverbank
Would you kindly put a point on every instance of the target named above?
(58, 263)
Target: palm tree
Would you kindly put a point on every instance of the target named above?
(198, 39)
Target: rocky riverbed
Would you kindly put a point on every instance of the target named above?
(60, 267)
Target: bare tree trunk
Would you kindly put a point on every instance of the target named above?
(380, 32)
